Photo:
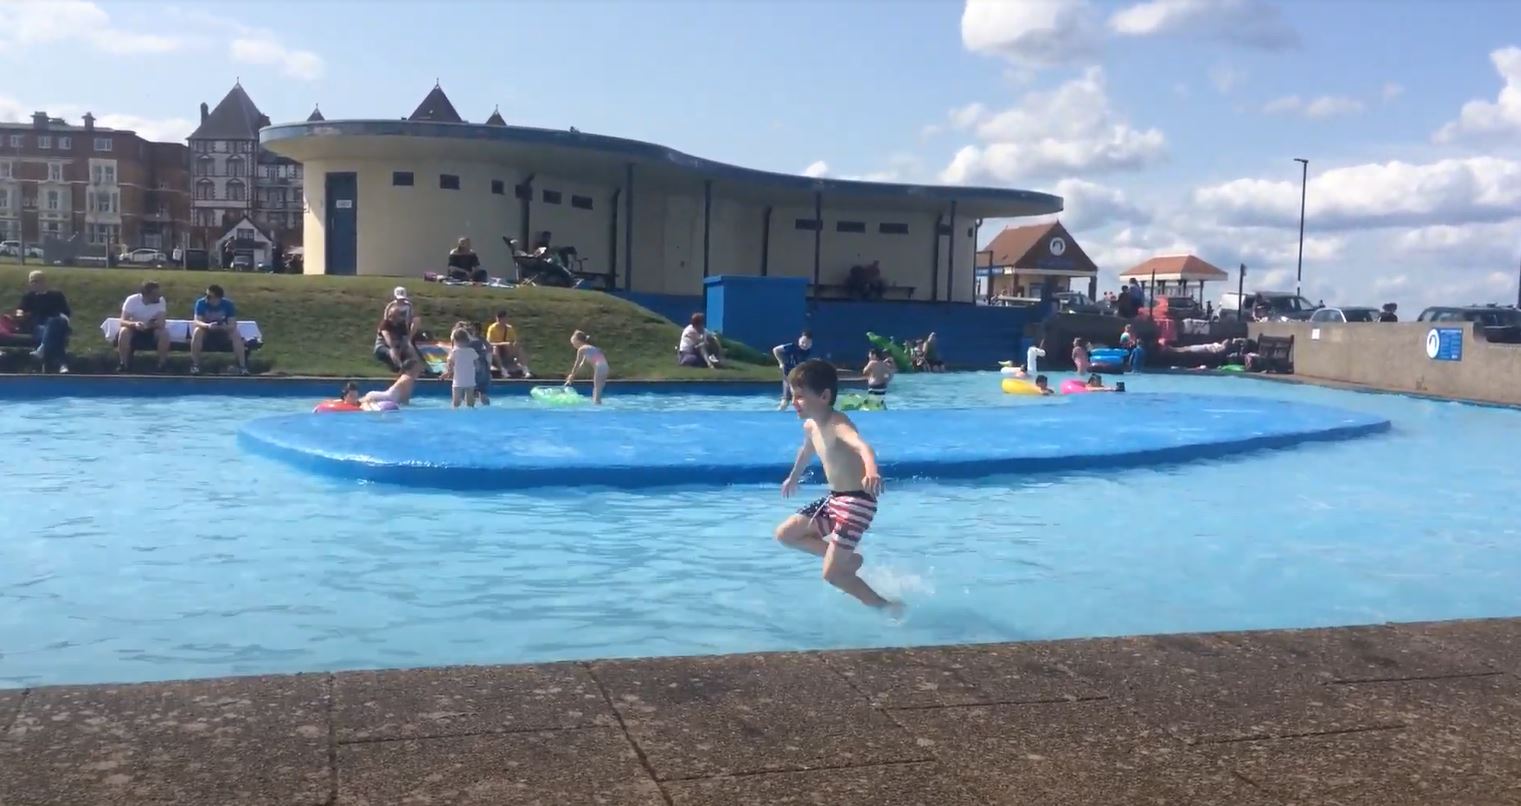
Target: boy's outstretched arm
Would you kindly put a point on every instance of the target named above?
(847, 434)
(804, 456)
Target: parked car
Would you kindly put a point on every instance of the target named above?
(1329, 314)
(1074, 302)
(1496, 323)
(1183, 308)
(1281, 306)
(10, 249)
(144, 255)
(242, 263)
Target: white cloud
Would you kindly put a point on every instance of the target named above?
(1038, 32)
(1069, 130)
(1392, 90)
(816, 169)
(1252, 23)
(265, 51)
(1485, 243)
(1491, 119)
(1225, 78)
(1450, 191)
(1089, 205)
(156, 129)
(1326, 106)
(30, 24)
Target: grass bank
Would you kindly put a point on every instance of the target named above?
(326, 325)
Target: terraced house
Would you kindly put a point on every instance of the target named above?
(244, 196)
(87, 189)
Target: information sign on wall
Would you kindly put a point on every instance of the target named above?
(1444, 344)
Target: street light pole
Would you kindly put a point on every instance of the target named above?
(1304, 181)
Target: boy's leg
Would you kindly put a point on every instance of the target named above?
(840, 567)
(799, 532)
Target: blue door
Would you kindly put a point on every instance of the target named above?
(342, 223)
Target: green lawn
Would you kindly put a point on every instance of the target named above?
(326, 325)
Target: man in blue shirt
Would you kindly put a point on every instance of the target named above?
(216, 322)
(788, 356)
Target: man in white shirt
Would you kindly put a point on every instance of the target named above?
(144, 326)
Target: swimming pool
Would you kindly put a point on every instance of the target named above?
(140, 543)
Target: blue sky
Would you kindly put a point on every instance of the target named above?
(1169, 125)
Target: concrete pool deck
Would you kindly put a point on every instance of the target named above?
(1390, 714)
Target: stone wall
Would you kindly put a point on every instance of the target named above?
(1394, 357)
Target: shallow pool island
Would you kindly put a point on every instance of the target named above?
(504, 449)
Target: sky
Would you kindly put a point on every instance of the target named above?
(1167, 125)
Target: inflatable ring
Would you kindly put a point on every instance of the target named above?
(328, 406)
(1073, 386)
(556, 395)
(1015, 386)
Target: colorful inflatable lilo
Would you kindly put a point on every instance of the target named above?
(1016, 386)
(856, 401)
(556, 395)
(1107, 359)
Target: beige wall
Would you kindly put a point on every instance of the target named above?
(1393, 357)
(404, 231)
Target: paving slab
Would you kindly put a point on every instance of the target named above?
(913, 784)
(1349, 654)
(1397, 767)
(464, 700)
(548, 768)
(1496, 642)
(1096, 752)
(1488, 705)
(233, 741)
(706, 716)
(960, 675)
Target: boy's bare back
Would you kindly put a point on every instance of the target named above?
(843, 467)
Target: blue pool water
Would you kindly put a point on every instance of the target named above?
(139, 542)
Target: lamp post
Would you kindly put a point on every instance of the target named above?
(1304, 181)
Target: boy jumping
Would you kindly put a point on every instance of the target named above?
(831, 527)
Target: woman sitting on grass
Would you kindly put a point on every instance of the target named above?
(698, 347)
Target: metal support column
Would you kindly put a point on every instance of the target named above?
(628, 227)
(707, 226)
(818, 236)
(950, 254)
(766, 242)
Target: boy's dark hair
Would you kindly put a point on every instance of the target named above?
(878, 353)
(1040, 379)
(817, 376)
(214, 290)
(349, 387)
(501, 313)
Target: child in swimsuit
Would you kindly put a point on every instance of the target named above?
(1080, 355)
(587, 353)
(460, 366)
(1044, 385)
(832, 526)
(400, 393)
(350, 394)
(879, 371)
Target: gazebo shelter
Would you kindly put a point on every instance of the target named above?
(1023, 262)
(1174, 275)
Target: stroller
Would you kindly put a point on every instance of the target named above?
(540, 271)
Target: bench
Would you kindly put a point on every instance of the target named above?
(1276, 353)
(842, 291)
(179, 334)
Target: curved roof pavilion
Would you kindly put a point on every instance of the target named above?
(606, 159)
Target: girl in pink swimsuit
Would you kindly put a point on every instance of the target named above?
(589, 354)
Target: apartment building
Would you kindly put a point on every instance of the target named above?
(88, 189)
(234, 182)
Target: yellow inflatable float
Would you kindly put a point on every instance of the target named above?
(1016, 386)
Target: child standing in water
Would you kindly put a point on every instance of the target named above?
(482, 364)
(587, 353)
(461, 367)
(879, 371)
(1080, 355)
(832, 526)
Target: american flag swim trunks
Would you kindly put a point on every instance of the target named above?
(842, 517)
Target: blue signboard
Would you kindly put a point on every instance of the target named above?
(1444, 344)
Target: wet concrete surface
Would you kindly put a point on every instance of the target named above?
(1388, 715)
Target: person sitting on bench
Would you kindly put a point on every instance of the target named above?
(47, 313)
(216, 321)
(465, 265)
(144, 326)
